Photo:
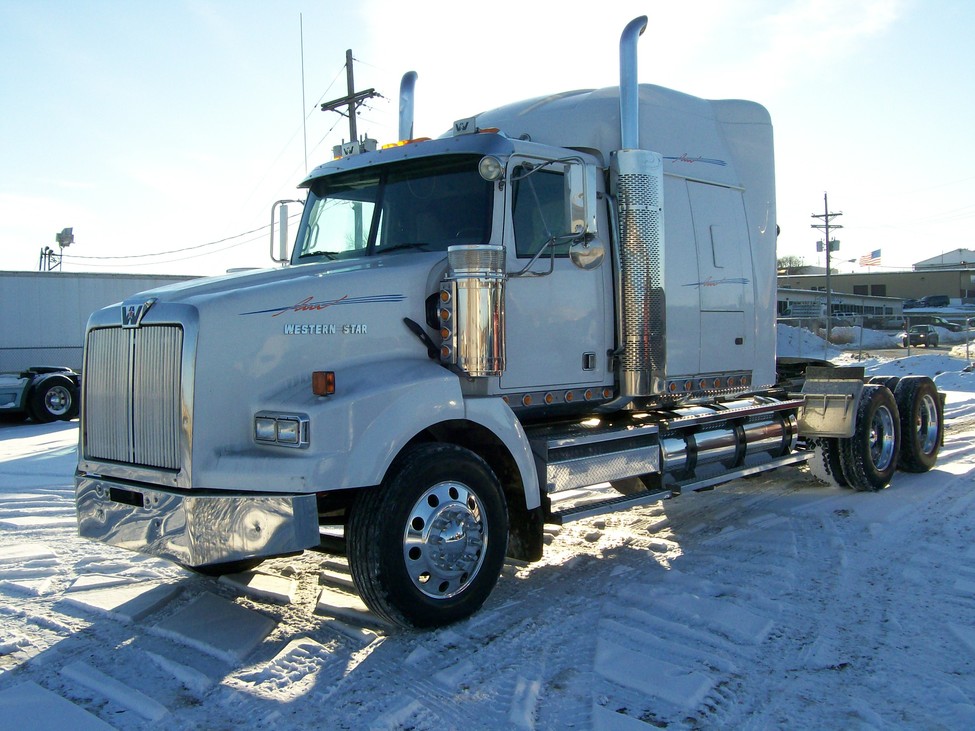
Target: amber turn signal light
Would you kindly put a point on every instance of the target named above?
(323, 383)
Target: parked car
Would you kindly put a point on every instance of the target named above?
(911, 303)
(935, 321)
(920, 335)
(934, 300)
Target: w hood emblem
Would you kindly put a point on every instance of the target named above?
(132, 314)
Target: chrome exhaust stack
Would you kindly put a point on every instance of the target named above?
(406, 86)
(637, 183)
(629, 86)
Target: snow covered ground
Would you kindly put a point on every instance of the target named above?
(772, 602)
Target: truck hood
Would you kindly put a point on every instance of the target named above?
(264, 324)
(192, 291)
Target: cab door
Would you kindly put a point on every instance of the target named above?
(557, 311)
(725, 286)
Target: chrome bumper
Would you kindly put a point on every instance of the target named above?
(194, 530)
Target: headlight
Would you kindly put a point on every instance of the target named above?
(284, 430)
(265, 429)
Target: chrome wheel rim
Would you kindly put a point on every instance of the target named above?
(926, 424)
(57, 401)
(882, 439)
(445, 540)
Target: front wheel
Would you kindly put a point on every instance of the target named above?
(426, 547)
(52, 399)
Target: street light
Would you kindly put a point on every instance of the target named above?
(49, 260)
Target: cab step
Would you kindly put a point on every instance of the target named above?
(603, 507)
(727, 476)
(580, 510)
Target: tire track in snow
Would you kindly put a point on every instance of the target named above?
(709, 616)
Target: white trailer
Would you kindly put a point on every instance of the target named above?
(565, 292)
(44, 314)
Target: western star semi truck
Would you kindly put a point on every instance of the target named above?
(570, 291)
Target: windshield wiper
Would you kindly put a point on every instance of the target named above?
(330, 255)
(400, 247)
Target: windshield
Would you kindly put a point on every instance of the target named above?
(421, 205)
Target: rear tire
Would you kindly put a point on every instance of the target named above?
(922, 422)
(869, 457)
(426, 547)
(888, 382)
(826, 465)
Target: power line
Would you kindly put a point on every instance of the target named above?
(177, 251)
(190, 248)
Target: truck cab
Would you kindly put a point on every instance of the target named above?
(532, 207)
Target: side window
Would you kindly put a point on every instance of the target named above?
(539, 211)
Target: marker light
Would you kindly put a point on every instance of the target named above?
(323, 383)
(403, 143)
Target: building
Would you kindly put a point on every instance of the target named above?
(955, 259)
(957, 282)
(810, 304)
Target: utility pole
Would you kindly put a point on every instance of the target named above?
(825, 226)
(352, 100)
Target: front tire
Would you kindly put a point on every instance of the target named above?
(52, 399)
(426, 547)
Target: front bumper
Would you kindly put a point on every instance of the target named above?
(195, 529)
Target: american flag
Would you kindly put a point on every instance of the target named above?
(871, 260)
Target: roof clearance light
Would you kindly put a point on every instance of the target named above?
(490, 168)
(403, 143)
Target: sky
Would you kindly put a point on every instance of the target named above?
(162, 133)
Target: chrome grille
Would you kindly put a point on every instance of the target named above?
(131, 396)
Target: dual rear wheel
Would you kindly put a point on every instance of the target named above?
(898, 423)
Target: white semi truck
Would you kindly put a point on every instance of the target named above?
(564, 292)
